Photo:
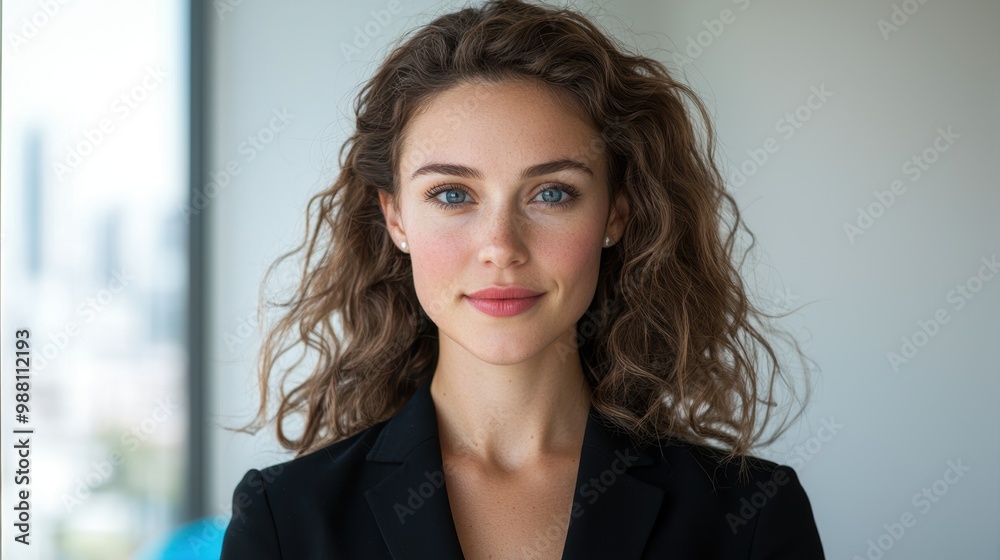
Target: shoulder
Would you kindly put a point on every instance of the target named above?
(753, 500)
(702, 470)
(327, 459)
(709, 466)
(292, 501)
(326, 465)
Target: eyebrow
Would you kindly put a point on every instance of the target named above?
(532, 171)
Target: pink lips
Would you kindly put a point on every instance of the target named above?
(504, 301)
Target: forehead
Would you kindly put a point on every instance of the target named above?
(495, 125)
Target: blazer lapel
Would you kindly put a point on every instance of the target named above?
(411, 504)
(613, 511)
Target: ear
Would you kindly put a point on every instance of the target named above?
(392, 217)
(618, 217)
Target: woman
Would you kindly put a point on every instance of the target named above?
(545, 349)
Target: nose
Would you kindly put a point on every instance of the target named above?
(503, 239)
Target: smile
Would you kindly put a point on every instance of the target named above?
(504, 307)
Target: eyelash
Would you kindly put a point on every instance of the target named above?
(431, 197)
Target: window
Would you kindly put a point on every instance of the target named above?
(95, 266)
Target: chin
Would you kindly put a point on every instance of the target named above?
(500, 350)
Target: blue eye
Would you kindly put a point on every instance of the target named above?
(455, 195)
(547, 191)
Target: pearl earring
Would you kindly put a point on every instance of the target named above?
(607, 241)
(403, 245)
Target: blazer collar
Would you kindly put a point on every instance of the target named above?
(613, 511)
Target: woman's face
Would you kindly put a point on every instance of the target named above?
(472, 220)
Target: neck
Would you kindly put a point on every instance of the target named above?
(510, 417)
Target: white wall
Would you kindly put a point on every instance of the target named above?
(898, 429)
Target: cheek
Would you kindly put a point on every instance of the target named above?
(567, 257)
(573, 263)
(437, 261)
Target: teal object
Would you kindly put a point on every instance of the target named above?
(200, 539)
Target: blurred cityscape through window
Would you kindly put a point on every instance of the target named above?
(94, 241)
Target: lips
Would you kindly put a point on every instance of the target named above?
(504, 301)
(504, 292)
(504, 307)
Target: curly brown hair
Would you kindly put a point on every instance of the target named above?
(670, 342)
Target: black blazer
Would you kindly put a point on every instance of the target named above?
(380, 494)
